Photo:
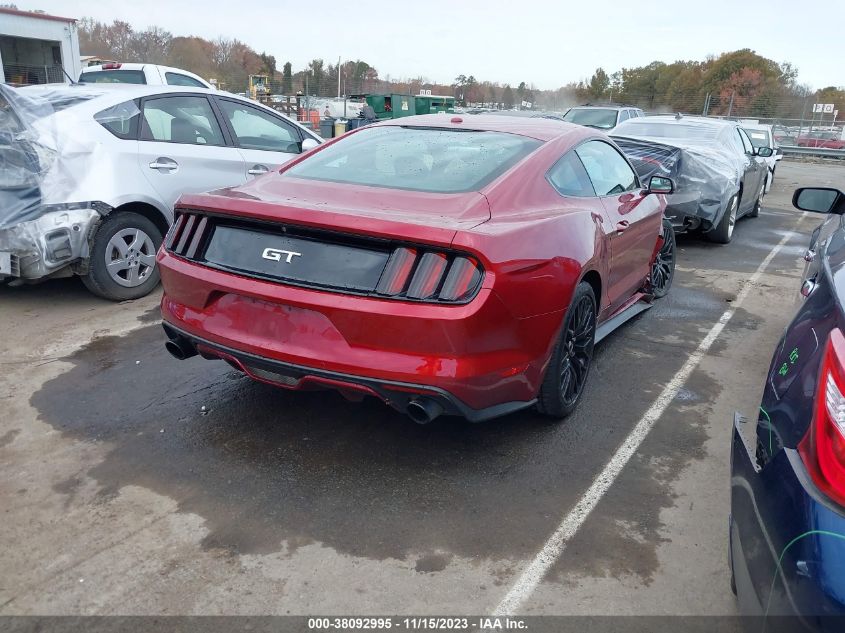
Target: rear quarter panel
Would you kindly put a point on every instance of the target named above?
(538, 244)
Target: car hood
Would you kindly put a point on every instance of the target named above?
(351, 208)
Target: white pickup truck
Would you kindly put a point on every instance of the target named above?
(133, 73)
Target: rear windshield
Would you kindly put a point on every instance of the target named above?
(419, 159)
(594, 117)
(113, 77)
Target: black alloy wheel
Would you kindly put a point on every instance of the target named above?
(567, 373)
(663, 267)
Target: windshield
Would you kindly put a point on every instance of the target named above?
(594, 117)
(419, 159)
(113, 77)
(664, 129)
(759, 138)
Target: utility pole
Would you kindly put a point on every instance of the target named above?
(706, 105)
(731, 104)
(803, 111)
(338, 76)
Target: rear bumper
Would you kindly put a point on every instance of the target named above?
(40, 247)
(682, 211)
(296, 377)
(787, 542)
(477, 359)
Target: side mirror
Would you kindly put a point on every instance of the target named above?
(819, 200)
(309, 143)
(764, 152)
(660, 184)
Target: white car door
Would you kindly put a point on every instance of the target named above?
(182, 148)
(265, 140)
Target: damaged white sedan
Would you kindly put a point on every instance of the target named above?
(89, 174)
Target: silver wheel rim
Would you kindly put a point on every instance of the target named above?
(732, 218)
(130, 257)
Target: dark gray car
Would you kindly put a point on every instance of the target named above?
(719, 175)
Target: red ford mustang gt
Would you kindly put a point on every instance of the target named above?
(446, 266)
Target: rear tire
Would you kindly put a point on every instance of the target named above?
(122, 263)
(663, 267)
(723, 232)
(758, 203)
(570, 364)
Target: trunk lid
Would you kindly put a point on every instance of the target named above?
(361, 210)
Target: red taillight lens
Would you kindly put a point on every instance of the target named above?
(111, 66)
(823, 448)
(461, 281)
(430, 276)
(395, 274)
(427, 276)
(186, 234)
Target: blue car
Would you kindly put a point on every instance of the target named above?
(787, 523)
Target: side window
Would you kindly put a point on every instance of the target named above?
(178, 79)
(608, 170)
(569, 177)
(255, 129)
(623, 116)
(121, 119)
(188, 120)
(746, 142)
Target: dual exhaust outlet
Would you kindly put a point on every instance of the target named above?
(420, 410)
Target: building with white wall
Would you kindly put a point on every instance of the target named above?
(36, 48)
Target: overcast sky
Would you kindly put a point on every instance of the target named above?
(545, 43)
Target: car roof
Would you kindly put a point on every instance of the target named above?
(102, 96)
(605, 107)
(109, 91)
(539, 128)
(139, 66)
(673, 118)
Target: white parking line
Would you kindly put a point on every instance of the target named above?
(554, 547)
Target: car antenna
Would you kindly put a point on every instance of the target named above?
(69, 78)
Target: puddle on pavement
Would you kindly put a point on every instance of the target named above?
(270, 470)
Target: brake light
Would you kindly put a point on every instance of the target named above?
(112, 66)
(395, 274)
(823, 448)
(430, 276)
(462, 280)
(186, 234)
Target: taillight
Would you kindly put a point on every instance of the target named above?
(112, 66)
(395, 274)
(430, 276)
(462, 280)
(186, 234)
(823, 448)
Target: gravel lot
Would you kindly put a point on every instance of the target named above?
(131, 483)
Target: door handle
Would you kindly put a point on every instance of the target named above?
(164, 163)
(257, 170)
(621, 226)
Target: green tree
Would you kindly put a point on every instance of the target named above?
(599, 84)
(287, 79)
(268, 65)
(507, 96)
